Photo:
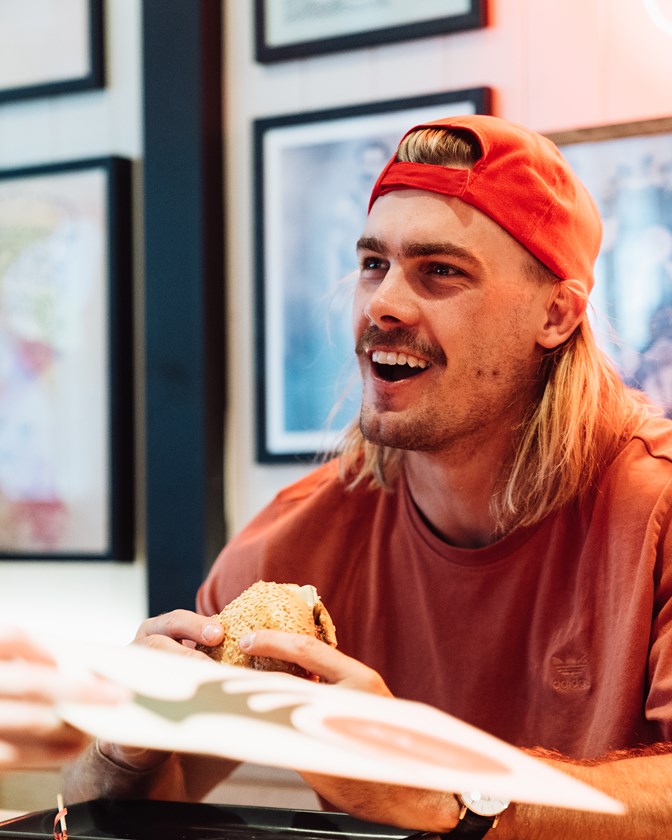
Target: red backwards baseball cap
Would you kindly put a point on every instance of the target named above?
(523, 183)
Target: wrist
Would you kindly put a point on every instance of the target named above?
(130, 759)
(478, 815)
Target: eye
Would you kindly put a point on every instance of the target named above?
(443, 270)
(372, 264)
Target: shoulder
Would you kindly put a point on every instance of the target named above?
(322, 497)
(324, 480)
(303, 535)
(655, 435)
(645, 460)
(636, 488)
(307, 505)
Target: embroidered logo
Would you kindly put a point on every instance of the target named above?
(570, 673)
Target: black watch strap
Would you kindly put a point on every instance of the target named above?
(472, 826)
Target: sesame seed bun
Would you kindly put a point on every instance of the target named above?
(271, 606)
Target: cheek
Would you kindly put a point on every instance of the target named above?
(511, 343)
(494, 337)
(517, 312)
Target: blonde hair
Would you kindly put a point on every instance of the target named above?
(582, 417)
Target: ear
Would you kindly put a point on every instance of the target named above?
(565, 310)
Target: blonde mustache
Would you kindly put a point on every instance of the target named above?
(400, 338)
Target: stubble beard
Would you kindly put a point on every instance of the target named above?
(438, 428)
(422, 432)
(434, 427)
(401, 436)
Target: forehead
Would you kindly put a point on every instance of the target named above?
(415, 216)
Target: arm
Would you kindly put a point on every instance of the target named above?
(115, 771)
(640, 779)
(106, 770)
(31, 733)
(424, 810)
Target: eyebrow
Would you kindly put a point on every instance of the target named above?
(421, 249)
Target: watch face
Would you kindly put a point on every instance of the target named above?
(484, 805)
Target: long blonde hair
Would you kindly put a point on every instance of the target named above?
(582, 417)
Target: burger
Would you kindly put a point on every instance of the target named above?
(271, 606)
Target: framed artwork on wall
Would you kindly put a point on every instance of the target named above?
(628, 171)
(287, 29)
(313, 175)
(49, 48)
(66, 387)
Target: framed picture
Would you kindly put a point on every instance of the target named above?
(313, 175)
(49, 48)
(294, 28)
(66, 387)
(628, 170)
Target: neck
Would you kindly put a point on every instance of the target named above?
(453, 494)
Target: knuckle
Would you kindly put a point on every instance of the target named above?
(372, 682)
(172, 621)
(304, 644)
(153, 641)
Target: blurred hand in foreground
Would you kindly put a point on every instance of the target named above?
(31, 686)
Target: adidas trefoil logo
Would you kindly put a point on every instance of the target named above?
(571, 673)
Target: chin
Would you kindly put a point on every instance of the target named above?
(391, 435)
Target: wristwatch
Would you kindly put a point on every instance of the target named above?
(478, 814)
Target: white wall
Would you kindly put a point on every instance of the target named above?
(554, 66)
(102, 600)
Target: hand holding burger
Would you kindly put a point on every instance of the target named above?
(271, 606)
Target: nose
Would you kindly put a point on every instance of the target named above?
(392, 302)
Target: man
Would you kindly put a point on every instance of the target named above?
(494, 536)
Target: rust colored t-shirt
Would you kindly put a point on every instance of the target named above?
(559, 635)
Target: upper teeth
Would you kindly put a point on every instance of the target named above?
(383, 358)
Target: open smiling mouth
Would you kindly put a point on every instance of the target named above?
(393, 367)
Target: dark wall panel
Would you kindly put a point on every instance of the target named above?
(184, 295)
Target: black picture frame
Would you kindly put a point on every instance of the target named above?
(66, 406)
(65, 55)
(350, 28)
(627, 168)
(313, 173)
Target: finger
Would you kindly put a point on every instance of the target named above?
(136, 758)
(22, 722)
(179, 626)
(16, 644)
(40, 753)
(30, 682)
(315, 656)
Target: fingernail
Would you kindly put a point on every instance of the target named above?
(246, 641)
(211, 632)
